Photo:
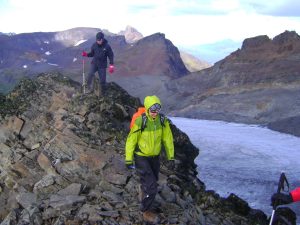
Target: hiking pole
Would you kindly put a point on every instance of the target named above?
(280, 187)
(83, 77)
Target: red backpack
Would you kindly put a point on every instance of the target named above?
(140, 111)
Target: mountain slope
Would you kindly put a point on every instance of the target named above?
(258, 83)
(192, 63)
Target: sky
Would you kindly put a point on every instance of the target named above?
(184, 22)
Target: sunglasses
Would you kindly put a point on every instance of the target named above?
(155, 108)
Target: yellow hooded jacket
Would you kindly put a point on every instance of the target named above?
(149, 141)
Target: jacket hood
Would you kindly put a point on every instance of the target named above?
(150, 101)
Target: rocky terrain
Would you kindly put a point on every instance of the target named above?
(62, 162)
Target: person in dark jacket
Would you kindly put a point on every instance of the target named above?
(100, 51)
(282, 199)
(284, 215)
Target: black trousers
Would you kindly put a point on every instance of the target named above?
(102, 76)
(148, 170)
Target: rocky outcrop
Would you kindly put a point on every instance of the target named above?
(289, 125)
(62, 162)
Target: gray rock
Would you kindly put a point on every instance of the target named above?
(27, 200)
(168, 194)
(65, 202)
(72, 189)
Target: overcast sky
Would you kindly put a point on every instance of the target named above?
(185, 22)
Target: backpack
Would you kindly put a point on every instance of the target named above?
(145, 118)
(140, 111)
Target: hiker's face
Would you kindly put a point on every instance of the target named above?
(153, 114)
(154, 110)
(100, 41)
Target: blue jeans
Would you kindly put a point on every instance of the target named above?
(101, 73)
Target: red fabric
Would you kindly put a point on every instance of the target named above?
(111, 69)
(84, 54)
(140, 111)
(296, 194)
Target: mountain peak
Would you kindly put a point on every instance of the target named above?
(285, 37)
(131, 34)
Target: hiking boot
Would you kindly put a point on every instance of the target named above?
(151, 217)
(141, 193)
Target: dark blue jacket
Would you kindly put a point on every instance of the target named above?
(101, 53)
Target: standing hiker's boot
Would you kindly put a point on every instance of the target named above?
(151, 217)
(141, 193)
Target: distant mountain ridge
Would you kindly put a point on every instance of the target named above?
(259, 83)
(192, 63)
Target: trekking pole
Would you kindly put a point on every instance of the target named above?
(83, 77)
(280, 187)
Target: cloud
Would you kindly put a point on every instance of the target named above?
(277, 8)
(184, 22)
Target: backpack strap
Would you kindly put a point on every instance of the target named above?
(162, 118)
(143, 125)
(144, 121)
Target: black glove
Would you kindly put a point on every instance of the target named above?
(130, 166)
(281, 199)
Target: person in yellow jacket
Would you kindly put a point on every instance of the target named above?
(143, 147)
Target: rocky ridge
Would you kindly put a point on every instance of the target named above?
(257, 84)
(62, 162)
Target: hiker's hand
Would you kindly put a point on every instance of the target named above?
(281, 199)
(111, 69)
(84, 54)
(130, 166)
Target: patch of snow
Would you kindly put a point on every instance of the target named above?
(25, 66)
(52, 64)
(80, 42)
(47, 53)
